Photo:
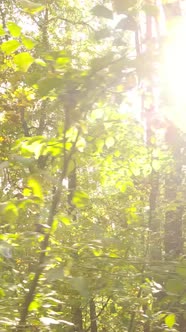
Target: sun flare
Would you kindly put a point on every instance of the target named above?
(173, 74)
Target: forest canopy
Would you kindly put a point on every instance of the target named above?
(92, 166)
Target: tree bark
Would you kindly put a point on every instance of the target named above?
(93, 316)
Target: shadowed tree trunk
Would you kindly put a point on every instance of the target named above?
(76, 310)
(77, 316)
(93, 316)
(173, 241)
(173, 231)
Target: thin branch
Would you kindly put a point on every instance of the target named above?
(56, 199)
(72, 22)
(24, 123)
(3, 17)
(99, 313)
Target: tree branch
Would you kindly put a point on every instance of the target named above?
(56, 198)
(99, 313)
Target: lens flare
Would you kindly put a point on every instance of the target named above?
(173, 74)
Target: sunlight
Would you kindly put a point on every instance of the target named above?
(173, 74)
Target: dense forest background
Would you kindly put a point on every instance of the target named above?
(92, 182)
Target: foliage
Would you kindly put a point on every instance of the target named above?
(79, 231)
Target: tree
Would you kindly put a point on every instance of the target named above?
(85, 198)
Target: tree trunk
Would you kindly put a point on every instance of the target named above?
(173, 241)
(77, 317)
(93, 317)
(173, 231)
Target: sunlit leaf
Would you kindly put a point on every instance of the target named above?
(40, 62)
(11, 211)
(99, 145)
(36, 187)
(2, 293)
(34, 305)
(170, 320)
(80, 199)
(14, 29)
(109, 142)
(10, 46)
(60, 62)
(30, 6)
(65, 220)
(23, 61)
(28, 43)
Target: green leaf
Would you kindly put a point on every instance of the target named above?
(61, 61)
(28, 42)
(14, 29)
(65, 220)
(23, 61)
(80, 199)
(33, 306)
(40, 62)
(30, 6)
(170, 320)
(11, 212)
(109, 142)
(10, 46)
(36, 187)
(102, 11)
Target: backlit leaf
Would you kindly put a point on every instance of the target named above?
(14, 29)
(30, 6)
(65, 220)
(36, 187)
(10, 46)
(40, 62)
(34, 305)
(28, 42)
(23, 61)
(109, 142)
(80, 199)
(170, 320)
